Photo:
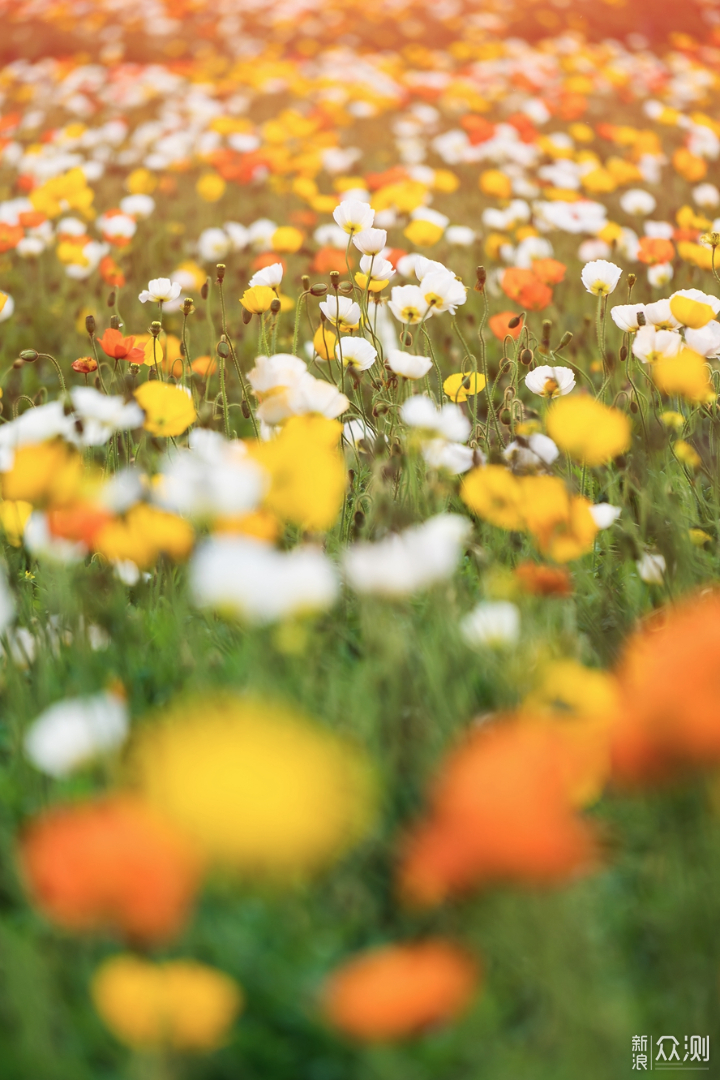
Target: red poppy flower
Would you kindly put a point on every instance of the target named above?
(121, 348)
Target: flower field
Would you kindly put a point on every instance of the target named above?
(360, 515)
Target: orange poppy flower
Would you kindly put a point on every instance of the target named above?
(111, 273)
(110, 865)
(10, 236)
(329, 258)
(549, 271)
(669, 679)
(268, 258)
(539, 580)
(499, 324)
(121, 348)
(84, 364)
(79, 523)
(526, 289)
(501, 810)
(655, 250)
(400, 990)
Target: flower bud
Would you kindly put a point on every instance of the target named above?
(526, 357)
(641, 320)
(155, 328)
(334, 279)
(245, 409)
(481, 276)
(305, 283)
(17, 363)
(188, 306)
(222, 349)
(111, 299)
(220, 273)
(205, 289)
(275, 306)
(623, 353)
(115, 323)
(246, 316)
(564, 340)
(29, 355)
(90, 325)
(514, 322)
(319, 289)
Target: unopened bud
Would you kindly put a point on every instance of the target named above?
(546, 328)
(245, 409)
(111, 299)
(641, 320)
(29, 355)
(515, 321)
(633, 407)
(305, 283)
(155, 328)
(623, 353)
(275, 306)
(17, 363)
(506, 417)
(205, 289)
(334, 279)
(406, 338)
(246, 316)
(631, 279)
(346, 287)
(319, 289)
(188, 306)
(90, 325)
(115, 323)
(481, 276)
(222, 349)
(220, 273)
(152, 374)
(564, 340)
(526, 357)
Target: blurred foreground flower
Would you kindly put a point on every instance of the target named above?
(112, 865)
(76, 730)
(591, 432)
(398, 991)
(241, 577)
(501, 811)
(259, 788)
(169, 410)
(177, 1005)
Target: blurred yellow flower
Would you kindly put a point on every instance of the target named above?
(589, 431)
(496, 183)
(495, 494)
(178, 1005)
(423, 233)
(49, 472)
(687, 454)
(210, 187)
(324, 342)
(259, 788)
(287, 239)
(169, 410)
(686, 374)
(143, 535)
(13, 518)
(141, 182)
(307, 472)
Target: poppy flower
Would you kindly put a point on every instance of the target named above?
(500, 325)
(655, 250)
(501, 810)
(526, 289)
(113, 865)
(540, 580)
(118, 347)
(397, 991)
(669, 680)
(84, 364)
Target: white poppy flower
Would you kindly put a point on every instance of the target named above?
(701, 297)
(269, 275)
(443, 292)
(550, 382)
(531, 452)
(600, 277)
(406, 562)
(650, 344)
(659, 315)
(651, 568)
(409, 365)
(73, 732)
(637, 201)
(625, 316)
(408, 304)
(356, 352)
(159, 290)
(451, 457)
(449, 422)
(257, 584)
(605, 514)
(706, 340)
(354, 216)
(370, 241)
(492, 623)
(660, 275)
(341, 311)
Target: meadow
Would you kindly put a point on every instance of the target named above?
(360, 477)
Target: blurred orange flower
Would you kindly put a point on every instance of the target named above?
(397, 991)
(110, 865)
(499, 324)
(669, 680)
(655, 250)
(501, 809)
